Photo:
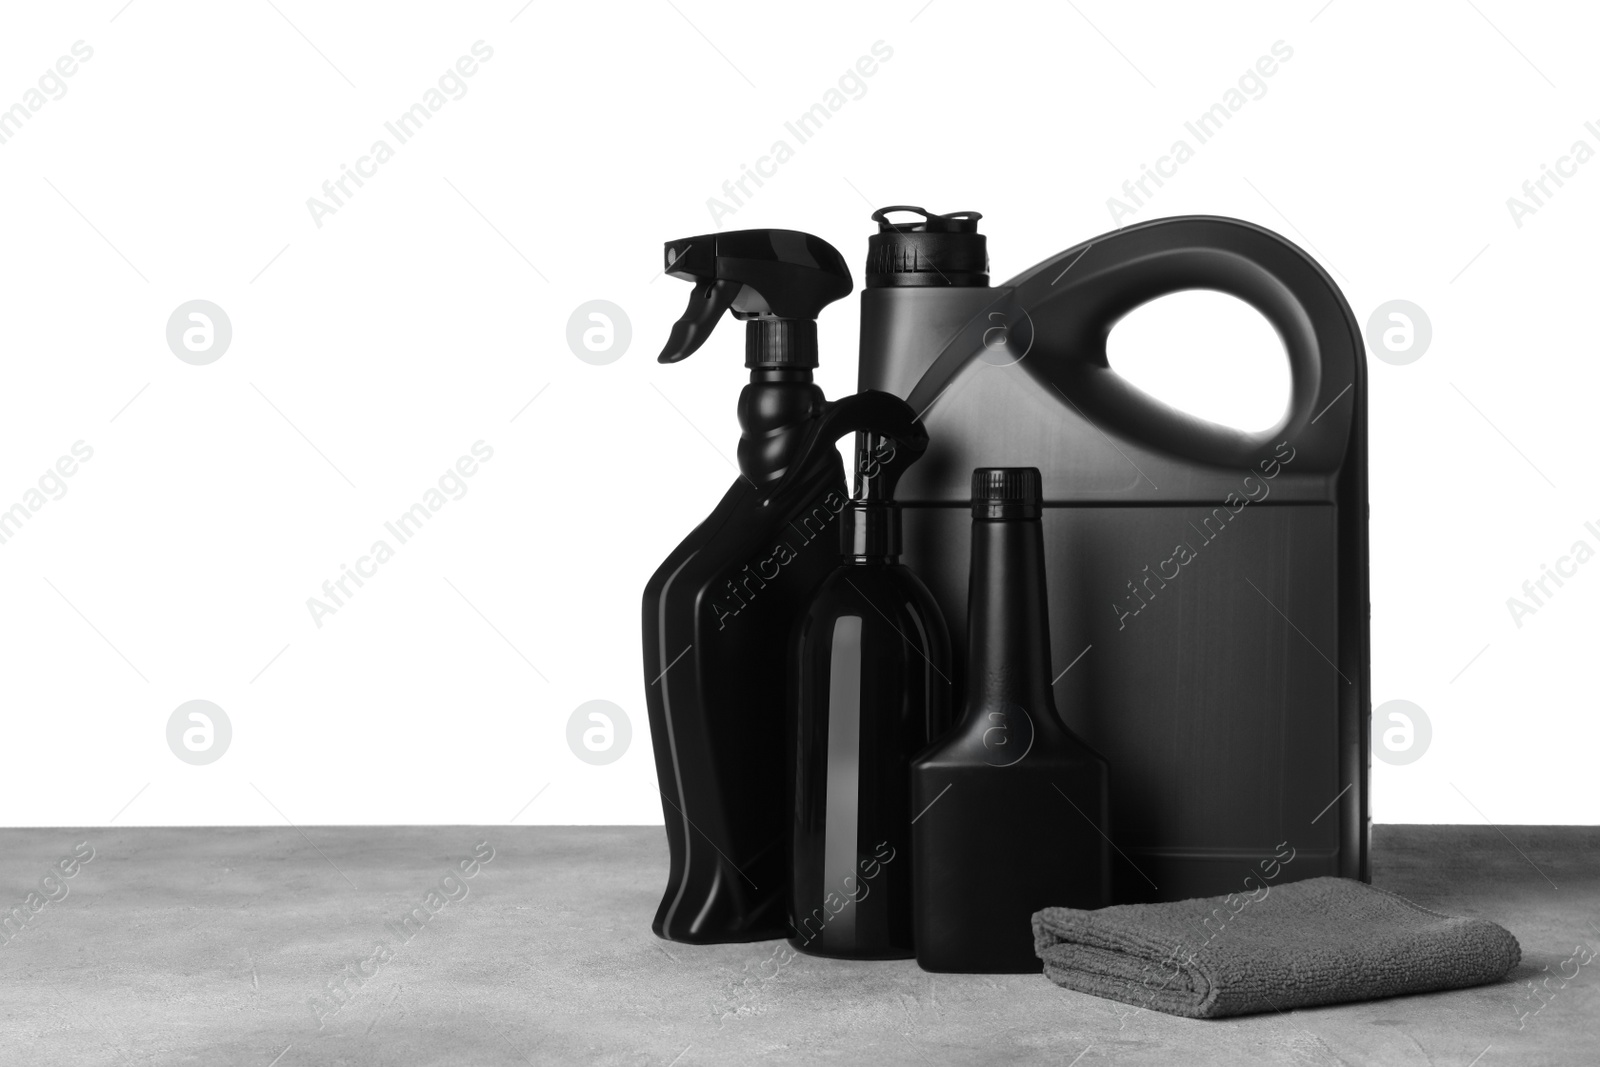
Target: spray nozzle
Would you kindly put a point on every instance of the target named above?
(778, 281)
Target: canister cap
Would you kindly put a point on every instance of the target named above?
(938, 250)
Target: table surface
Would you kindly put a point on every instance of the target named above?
(218, 946)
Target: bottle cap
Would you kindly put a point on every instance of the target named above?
(1006, 493)
(939, 250)
(773, 344)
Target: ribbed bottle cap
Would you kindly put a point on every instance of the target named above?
(1006, 493)
(939, 250)
(775, 343)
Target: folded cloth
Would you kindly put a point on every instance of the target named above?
(1320, 941)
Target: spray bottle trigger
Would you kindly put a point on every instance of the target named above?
(710, 298)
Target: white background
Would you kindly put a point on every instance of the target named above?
(369, 353)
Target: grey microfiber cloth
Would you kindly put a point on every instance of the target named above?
(1320, 941)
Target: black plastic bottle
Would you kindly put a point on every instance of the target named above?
(1011, 808)
(871, 689)
(717, 613)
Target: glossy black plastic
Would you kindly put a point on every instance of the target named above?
(1011, 808)
(871, 687)
(717, 613)
(778, 280)
(1213, 581)
(714, 669)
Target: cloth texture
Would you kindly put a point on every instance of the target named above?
(1294, 945)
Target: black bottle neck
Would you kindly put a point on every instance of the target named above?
(780, 343)
(869, 532)
(1008, 622)
(775, 410)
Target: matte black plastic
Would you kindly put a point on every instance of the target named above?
(718, 612)
(1213, 581)
(870, 688)
(1012, 807)
(1007, 493)
(940, 250)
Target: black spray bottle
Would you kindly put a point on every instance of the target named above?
(871, 688)
(1011, 808)
(718, 612)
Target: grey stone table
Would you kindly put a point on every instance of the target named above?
(227, 946)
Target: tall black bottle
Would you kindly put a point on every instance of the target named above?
(1012, 807)
(871, 689)
(718, 612)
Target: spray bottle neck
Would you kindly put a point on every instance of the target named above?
(773, 344)
(775, 411)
